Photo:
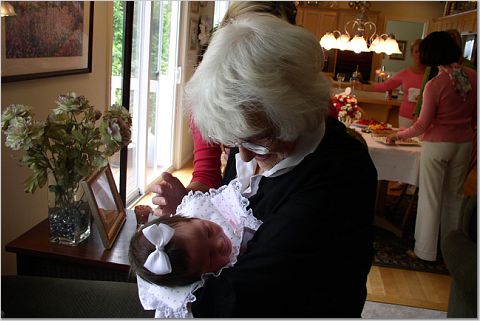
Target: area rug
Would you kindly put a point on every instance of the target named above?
(390, 250)
(375, 310)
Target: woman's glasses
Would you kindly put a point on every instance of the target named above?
(254, 148)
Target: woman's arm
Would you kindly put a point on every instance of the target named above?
(390, 84)
(206, 163)
(430, 104)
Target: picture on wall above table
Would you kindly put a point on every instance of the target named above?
(47, 39)
(402, 45)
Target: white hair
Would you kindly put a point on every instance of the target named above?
(258, 66)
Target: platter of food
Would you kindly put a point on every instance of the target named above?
(364, 123)
(404, 142)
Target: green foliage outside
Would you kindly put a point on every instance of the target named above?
(118, 14)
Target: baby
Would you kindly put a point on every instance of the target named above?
(173, 256)
(178, 250)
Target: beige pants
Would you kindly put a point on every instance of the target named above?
(443, 167)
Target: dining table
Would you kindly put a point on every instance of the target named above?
(398, 163)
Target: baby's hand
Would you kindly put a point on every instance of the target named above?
(169, 195)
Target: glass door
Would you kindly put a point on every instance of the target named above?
(152, 90)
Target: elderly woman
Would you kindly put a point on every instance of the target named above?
(260, 88)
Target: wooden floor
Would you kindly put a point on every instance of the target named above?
(386, 285)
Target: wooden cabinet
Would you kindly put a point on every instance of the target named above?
(465, 22)
(317, 21)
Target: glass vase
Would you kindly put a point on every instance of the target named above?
(68, 211)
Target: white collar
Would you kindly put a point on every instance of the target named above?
(306, 144)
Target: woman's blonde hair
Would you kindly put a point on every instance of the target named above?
(415, 43)
(258, 67)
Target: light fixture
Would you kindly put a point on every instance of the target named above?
(7, 9)
(364, 32)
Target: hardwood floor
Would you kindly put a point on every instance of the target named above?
(386, 285)
(410, 288)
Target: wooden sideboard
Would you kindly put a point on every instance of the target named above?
(37, 256)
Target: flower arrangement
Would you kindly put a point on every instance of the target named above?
(64, 149)
(346, 107)
(68, 143)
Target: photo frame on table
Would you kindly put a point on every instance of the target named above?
(402, 45)
(193, 34)
(62, 32)
(106, 205)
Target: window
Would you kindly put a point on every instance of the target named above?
(152, 90)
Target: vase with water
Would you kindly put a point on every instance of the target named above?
(68, 211)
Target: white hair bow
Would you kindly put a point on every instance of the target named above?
(159, 235)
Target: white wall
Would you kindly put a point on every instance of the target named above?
(406, 31)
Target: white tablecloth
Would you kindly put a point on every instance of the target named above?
(395, 163)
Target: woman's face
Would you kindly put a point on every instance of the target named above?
(207, 246)
(278, 150)
(416, 54)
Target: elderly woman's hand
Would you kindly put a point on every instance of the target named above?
(170, 193)
(391, 139)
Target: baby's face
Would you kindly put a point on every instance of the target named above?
(207, 246)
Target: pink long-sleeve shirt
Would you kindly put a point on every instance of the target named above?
(206, 160)
(411, 84)
(445, 115)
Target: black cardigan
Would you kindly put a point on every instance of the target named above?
(314, 250)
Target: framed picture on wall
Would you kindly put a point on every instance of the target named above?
(47, 39)
(402, 44)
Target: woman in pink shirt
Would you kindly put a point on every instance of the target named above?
(411, 80)
(447, 121)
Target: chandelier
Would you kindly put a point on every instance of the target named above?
(364, 32)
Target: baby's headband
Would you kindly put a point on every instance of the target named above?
(159, 235)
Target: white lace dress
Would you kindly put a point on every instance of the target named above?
(224, 206)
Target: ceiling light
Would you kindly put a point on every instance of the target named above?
(365, 37)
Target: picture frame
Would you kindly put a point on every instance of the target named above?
(402, 45)
(105, 204)
(194, 6)
(193, 34)
(53, 54)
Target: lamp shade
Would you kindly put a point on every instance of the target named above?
(358, 44)
(342, 42)
(391, 46)
(377, 45)
(328, 41)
